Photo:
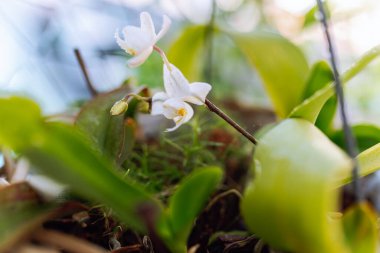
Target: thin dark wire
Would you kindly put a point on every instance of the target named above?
(350, 140)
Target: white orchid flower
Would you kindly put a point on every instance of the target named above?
(139, 41)
(172, 108)
(178, 91)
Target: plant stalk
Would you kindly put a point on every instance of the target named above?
(230, 121)
(83, 67)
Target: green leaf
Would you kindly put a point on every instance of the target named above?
(60, 152)
(281, 65)
(369, 160)
(289, 201)
(187, 50)
(320, 76)
(311, 15)
(360, 227)
(111, 135)
(22, 127)
(310, 108)
(366, 135)
(187, 202)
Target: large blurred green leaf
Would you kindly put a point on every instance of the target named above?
(187, 202)
(111, 135)
(288, 202)
(23, 127)
(187, 50)
(281, 65)
(361, 229)
(62, 153)
(310, 108)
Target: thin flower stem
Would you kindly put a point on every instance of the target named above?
(83, 67)
(163, 56)
(350, 140)
(230, 121)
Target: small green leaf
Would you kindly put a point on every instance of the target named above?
(361, 230)
(107, 133)
(188, 201)
(281, 65)
(320, 75)
(367, 135)
(288, 202)
(310, 108)
(186, 52)
(311, 15)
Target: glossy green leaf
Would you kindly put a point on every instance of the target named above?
(61, 153)
(361, 230)
(187, 50)
(111, 135)
(281, 65)
(289, 201)
(310, 108)
(366, 135)
(187, 202)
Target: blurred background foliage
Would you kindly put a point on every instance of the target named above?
(38, 37)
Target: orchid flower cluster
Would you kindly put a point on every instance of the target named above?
(174, 102)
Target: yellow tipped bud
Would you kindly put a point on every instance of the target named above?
(119, 107)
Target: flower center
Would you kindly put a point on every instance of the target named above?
(131, 51)
(181, 112)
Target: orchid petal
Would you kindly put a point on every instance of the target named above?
(137, 39)
(147, 25)
(140, 58)
(157, 103)
(164, 28)
(198, 93)
(176, 85)
(124, 45)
